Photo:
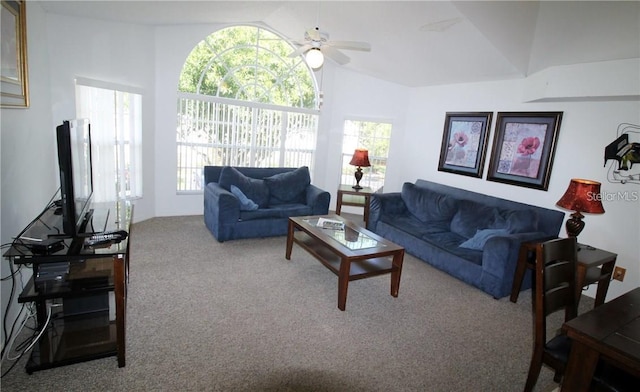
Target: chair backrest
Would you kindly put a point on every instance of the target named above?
(555, 287)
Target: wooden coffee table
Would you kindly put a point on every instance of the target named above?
(353, 253)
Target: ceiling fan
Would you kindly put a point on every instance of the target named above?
(316, 45)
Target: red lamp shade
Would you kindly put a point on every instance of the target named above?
(580, 196)
(360, 158)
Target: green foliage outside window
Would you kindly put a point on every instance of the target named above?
(251, 64)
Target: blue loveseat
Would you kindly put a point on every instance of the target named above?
(248, 202)
(473, 237)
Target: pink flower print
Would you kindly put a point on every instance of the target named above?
(528, 145)
(460, 138)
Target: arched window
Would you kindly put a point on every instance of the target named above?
(242, 101)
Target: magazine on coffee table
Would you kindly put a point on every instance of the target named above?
(330, 224)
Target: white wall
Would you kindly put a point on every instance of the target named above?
(173, 45)
(349, 95)
(117, 53)
(29, 164)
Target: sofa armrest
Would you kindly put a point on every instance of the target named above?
(318, 200)
(221, 210)
(500, 255)
(384, 203)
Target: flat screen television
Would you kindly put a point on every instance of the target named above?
(76, 175)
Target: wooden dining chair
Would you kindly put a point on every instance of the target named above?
(554, 290)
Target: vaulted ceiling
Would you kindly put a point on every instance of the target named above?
(418, 43)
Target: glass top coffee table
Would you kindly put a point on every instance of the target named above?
(351, 253)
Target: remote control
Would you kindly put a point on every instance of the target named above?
(110, 235)
(106, 237)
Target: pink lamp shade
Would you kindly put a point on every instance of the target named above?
(580, 196)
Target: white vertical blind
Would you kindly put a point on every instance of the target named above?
(116, 130)
(217, 131)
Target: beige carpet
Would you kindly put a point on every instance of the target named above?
(237, 316)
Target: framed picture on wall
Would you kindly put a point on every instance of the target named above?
(523, 148)
(14, 87)
(464, 143)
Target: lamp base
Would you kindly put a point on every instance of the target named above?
(358, 175)
(575, 224)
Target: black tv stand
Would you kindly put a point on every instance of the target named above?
(84, 324)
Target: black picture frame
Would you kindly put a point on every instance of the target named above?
(524, 147)
(464, 143)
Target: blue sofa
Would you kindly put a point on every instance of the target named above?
(248, 202)
(473, 237)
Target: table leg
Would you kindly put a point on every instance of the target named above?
(367, 203)
(290, 232)
(580, 368)
(606, 272)
(339, 203)
(397, 271)
(343, 283)
(581, 276)
(119, 277)
(521, 268)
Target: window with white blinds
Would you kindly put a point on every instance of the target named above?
(115, 115)
(213, 131)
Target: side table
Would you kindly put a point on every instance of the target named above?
(347, 196)
(594, 266)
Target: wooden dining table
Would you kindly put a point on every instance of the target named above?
(610, 332)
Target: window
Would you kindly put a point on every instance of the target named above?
(115, 114)
(374, 137)
(242, 101)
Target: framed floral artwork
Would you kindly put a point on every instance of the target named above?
(523, 148)
(14, 87)
(464, 143)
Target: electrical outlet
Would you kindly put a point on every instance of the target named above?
(618, 273)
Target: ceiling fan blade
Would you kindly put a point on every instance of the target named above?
(335, 54)
(350, 45)
(300, 50)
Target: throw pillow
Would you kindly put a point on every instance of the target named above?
(246, 204)
(289, 187)
(481, 237)
(253, 188)
(427, 205)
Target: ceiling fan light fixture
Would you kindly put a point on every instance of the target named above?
(314, 58)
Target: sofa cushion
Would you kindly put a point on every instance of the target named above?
(288, 187)
(254, 189)
(281, 211)
(246, 204)
(520, 221)
(427, 205)
(481, 237)
(472, 216)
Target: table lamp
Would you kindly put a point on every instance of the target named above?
(580, 196)
(360, 159)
